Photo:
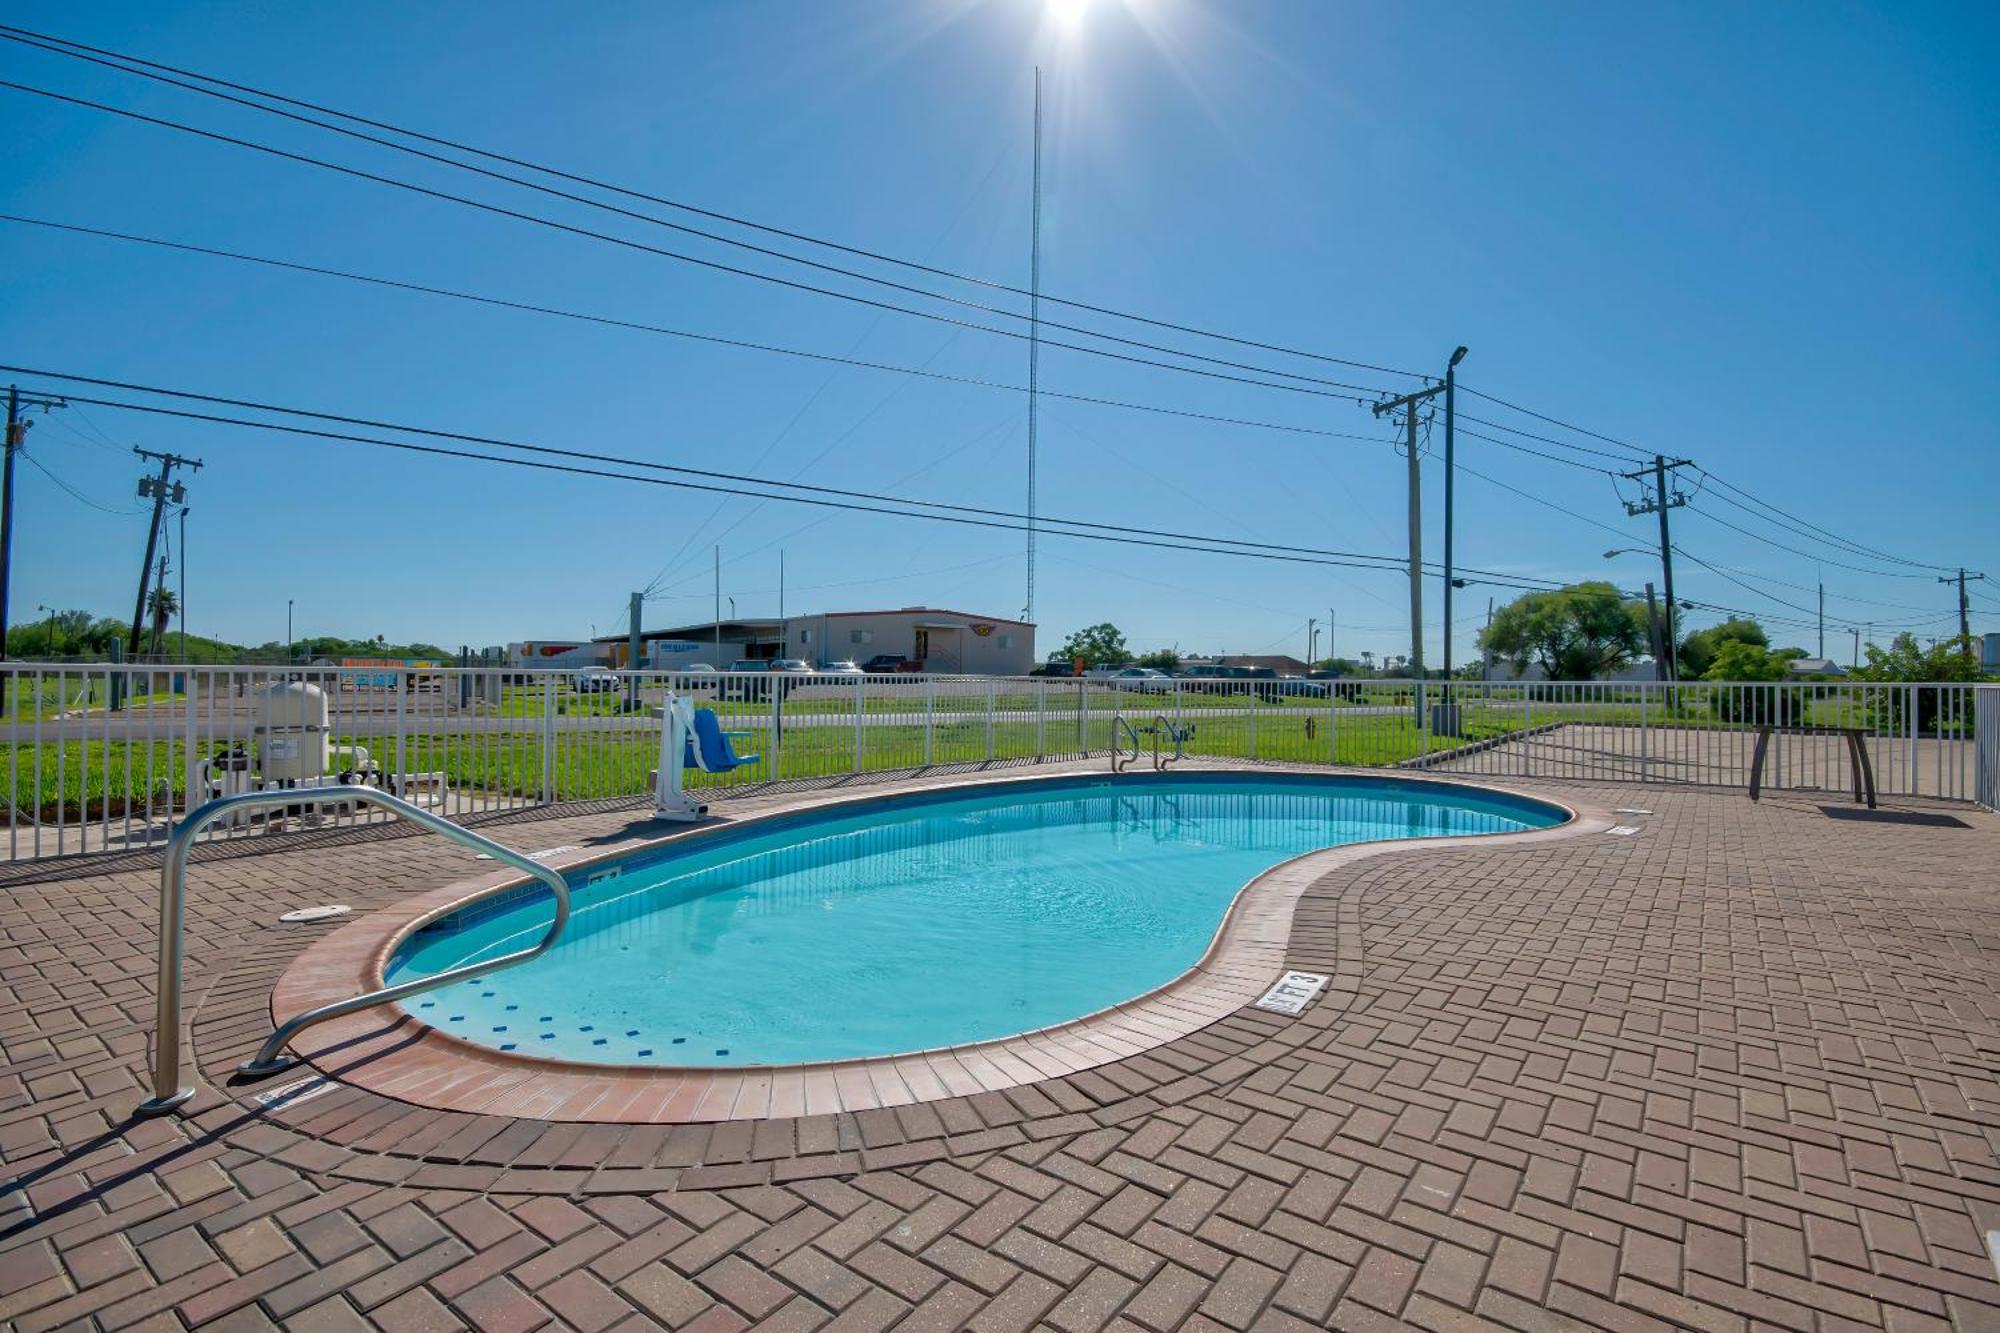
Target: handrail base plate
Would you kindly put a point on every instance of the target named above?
(153, 1106)
(260, 1068)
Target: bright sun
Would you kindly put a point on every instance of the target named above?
(1068, 13)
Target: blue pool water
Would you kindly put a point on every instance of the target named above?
(910, 923)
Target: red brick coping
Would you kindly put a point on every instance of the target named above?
(391, 1052)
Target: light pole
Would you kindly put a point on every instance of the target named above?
(1450, 468)
(49, 633)
(289, 654)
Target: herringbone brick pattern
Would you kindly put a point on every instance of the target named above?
(1735, 1072)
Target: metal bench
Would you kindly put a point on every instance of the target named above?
(1857, 754)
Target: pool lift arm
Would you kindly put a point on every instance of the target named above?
(670, 797)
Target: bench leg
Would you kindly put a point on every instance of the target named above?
(1757, 761)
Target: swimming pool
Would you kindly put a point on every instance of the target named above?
(905, 923)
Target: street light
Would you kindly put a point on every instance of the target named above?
(1450, 470)
(289, 654)
(49, 634)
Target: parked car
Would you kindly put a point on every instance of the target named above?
(883, 664)
(695, 676)
(1055, 669)
(596, 680)
(840, 669)
(751, 678)
(1145, 679)
(1302, 687)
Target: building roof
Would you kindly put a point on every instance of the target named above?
(1275, 662)
(918, 611)
(1816, 666)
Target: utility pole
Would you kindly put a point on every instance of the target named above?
(1822, 620)
(17, 437)
(1660, 502)
(718, 607)
(1408, 403)
(1652, 627)
(1855, 662)
(1330, 653)
(1964, 608)
(182, 598)
(632, 650)
(1450, 469)
(159, 490)
(1312, 640)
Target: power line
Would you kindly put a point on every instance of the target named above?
(1810, 531)
(74, 50)
(73, 492)
(638, 326)
(627, 243)
(1554, 421)
(1209, 543)
(1804, 555)
(960, 514)
(681, 256)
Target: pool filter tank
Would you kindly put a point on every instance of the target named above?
(292, 737)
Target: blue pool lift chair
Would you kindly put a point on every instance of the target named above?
(708, 747)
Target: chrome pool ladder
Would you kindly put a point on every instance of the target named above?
(168, 1091)
(1160, 726)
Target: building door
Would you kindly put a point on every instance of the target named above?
(922, 651)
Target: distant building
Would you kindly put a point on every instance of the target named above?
(1281, 663)
(1500, 669)
(1990, 657)
(1816, 666)
(949, 642)
(946, 642)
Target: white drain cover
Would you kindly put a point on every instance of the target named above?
(317, 913)
(1630, 810)
(1622, 830)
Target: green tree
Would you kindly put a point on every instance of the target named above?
(1739, 661)
(1098, 645)
(1574, 633)
(1160, 659)
(161, 604)
(1698, 650)
(1904, 661)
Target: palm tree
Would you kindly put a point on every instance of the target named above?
(163, 605)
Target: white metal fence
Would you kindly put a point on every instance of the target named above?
(1986, 701)
(104, 757)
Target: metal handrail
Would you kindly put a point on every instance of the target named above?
(1161, 726)
(1118, 761)
(168, 1094)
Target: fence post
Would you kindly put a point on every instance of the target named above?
(860, 706)
(989, 720)
(402, 731)
(1082, 719)
(1527, 730)
(930, 718)
(1332, 712)
(1910, 741)
(1041, 719)
(190, 765)
(775, 769)
(548, 739)
(1645, 772)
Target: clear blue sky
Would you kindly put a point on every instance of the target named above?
(1760, 237)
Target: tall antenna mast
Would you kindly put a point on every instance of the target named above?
(1034, 340)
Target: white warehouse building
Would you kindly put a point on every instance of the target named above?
(940, 641)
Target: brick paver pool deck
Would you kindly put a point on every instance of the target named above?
(1735, 1071)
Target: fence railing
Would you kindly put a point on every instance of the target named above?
(104, 757)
